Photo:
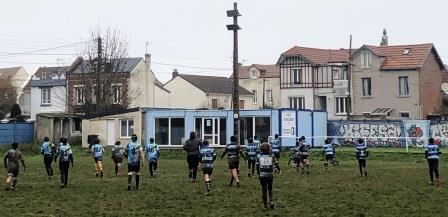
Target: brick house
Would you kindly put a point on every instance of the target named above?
(400, 81)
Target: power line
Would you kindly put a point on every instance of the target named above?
(185, 66)
(44, 49)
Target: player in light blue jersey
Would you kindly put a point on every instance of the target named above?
(266, 161)
(276, 147)
(432, 153)
(361, 156)
(97, 151)
(47, 149)
(208, 157)
(65, 155)
(152, 156)
(117, 157)
(251, 154)
(329, 151)
(134, 154)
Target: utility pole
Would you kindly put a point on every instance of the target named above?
(236, 94)
(349, 78)
(98, 71)
(264, 91)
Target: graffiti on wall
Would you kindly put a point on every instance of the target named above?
(375, 133)
(439, 131)
(417, 132)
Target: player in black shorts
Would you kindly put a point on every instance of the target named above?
(208, 156)
(233, 151)
(11, 161)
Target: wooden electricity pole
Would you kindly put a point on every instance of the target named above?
(236, 94)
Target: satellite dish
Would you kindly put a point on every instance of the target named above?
(445, 87)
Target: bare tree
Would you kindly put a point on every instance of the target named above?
(100, 75)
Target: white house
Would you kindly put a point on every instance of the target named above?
(48, 91)
(263, 81)
(209, 92)
(312, 78)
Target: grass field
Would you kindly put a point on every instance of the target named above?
(396, 186)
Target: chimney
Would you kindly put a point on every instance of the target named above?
(175, 73)
(148, 61)
(384, 40)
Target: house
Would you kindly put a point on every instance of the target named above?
(316, 79)
(397, 81)
(48, 91)
(12, 82)
(264, 83)
(132, 84)
(210, 92)
(49, 105)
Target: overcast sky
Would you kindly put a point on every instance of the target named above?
(193, 32)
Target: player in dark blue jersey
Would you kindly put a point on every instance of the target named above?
(432, 153)
(276, 147)
(328, 151)
(134, 154)
(47, 149)
(266, 161)
(233, 151)
(251, 154)
(304, 154)
(117, 157)
(208, 156)
(361, 156)
(65, 155)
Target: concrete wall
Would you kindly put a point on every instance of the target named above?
(257, 84)
(141, 86)
(162, 98)
(58, 101)
(385, 89)
(98, 126)
(185, 95)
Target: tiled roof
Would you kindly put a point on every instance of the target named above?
(8, 73)
(319, 56)
(266, 71)
(212, 84)
(126, 65)
(395, 58)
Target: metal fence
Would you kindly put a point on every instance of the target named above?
(16, 132)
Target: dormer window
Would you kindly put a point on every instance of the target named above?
(366, 59)
(406, 51)
(254, 74)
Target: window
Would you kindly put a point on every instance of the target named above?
(269, 96)
(127, 128)
(296, 76)
(76, 125)
(254, 74)
(46, 96)
(254, 99)
(297, 102)
(241, 104)
(341, 105)
(366, 87)
(366, 59)
(79, 95)
(44, 76)
(214, 103)
(116, 93)
(169, 131)
(403, 87)
(404, 114)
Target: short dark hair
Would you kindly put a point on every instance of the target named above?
(251, 140)
(117, 143)
(192, 135)
(276, 136)
(255, 137)
(303, 137)
(431, 140)
(151, 140)
(265, 148)
(134, 137)
(64, 140)
(46, 139)
(15, 145)
(233, 139)
(205, 143)
(97, 141)
(360, 140)
(328, 141)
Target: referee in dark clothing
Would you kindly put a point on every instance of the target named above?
(193, 155)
